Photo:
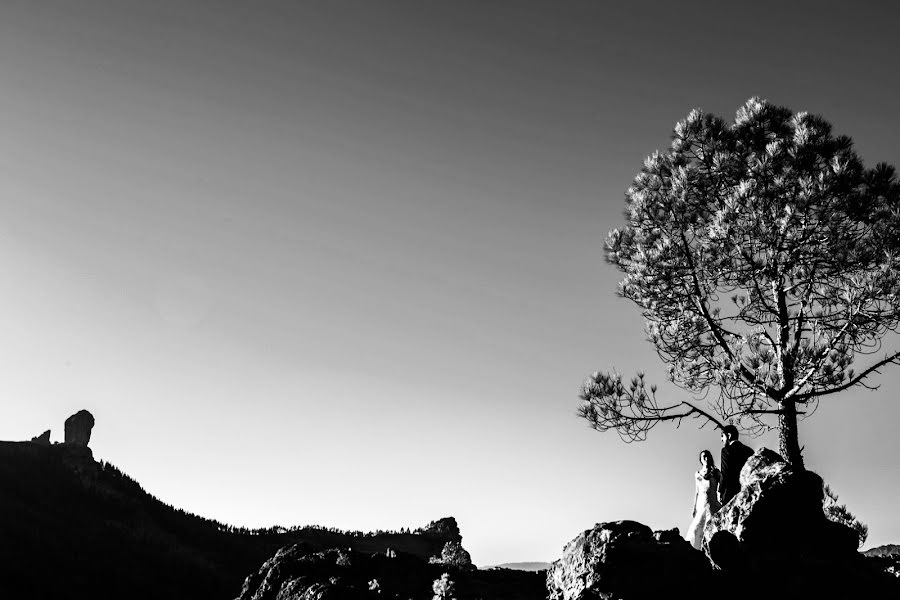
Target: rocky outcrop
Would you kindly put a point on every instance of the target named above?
(78, 428)
(454, 555)
(775, 531)
(446, 529)
(626, 559)
(772, 540)
(778, 513)
(43, 439)
(300, 572)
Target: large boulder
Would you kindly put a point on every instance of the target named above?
(626, 559)
(771, 541)
(778, 512)
(774, 533)
(78, 428)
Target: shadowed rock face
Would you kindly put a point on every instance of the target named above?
(778, 512)
(454, 555)
(774, 531)
(446, 528)
(300, 572)
(78, 428)
(626, 559)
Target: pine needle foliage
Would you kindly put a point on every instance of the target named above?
(839, 513)
(765, 259)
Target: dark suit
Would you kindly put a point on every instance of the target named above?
(732, 459)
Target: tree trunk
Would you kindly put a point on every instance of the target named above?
(788, 444)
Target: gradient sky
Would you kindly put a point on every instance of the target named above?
(342, 263)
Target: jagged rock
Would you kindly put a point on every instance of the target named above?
(445, 528)
(454, 555)
(43, 439)
(297, 572)
(78, 428)
(626, 559)
(779, 512)
(300, 572)
(774, 533)
(760, 465)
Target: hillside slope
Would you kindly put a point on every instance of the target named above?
(71, 527)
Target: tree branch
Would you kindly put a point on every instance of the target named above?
(714, 326)
(893, 358)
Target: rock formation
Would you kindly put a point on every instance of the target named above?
(78, 428)
(776, 528)
(454, 555)
(446, 528)
(625, 559)
(385, 565)
(297, 572)
(43, 439)
(771, 541)
(300, 572)
(778, 512)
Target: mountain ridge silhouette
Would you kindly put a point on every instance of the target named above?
(70, 524)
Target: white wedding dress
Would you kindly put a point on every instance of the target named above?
(706, 502)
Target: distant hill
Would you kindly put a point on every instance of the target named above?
(885, 550)
(523, 566)
(74, 528)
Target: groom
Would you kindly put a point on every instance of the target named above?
(734, 455)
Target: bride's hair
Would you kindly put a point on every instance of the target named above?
(707, 471)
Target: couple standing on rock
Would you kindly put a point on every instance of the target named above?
(714, 487)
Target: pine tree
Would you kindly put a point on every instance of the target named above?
(764, 258)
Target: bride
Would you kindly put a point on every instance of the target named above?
(706, 500)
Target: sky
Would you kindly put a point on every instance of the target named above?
(341, 263)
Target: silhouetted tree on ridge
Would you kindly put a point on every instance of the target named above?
(764, 258)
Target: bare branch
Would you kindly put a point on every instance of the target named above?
(608, 404)
(893, 358)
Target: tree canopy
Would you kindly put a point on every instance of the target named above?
(765, 259)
